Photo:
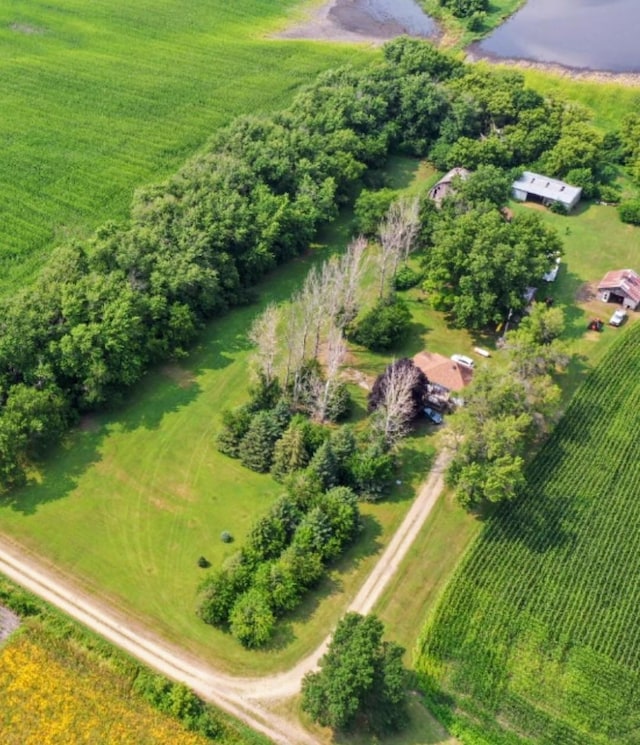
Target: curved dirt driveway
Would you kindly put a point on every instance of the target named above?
(241, 697)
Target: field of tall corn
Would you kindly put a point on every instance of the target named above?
(98, 98)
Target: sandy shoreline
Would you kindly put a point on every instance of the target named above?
(349, 21)
(346, 21)
(628, 79)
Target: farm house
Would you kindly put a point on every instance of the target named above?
(446, 378)
(622, 287)
(545, 190)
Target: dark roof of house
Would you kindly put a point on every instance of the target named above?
(443, 371)
(623, 281)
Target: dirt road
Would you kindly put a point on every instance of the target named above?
(244, 698)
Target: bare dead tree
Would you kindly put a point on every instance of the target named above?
(396, 398)
(397, 234)
(352, 266)
(336, 352)
(311, 305)
(296, 332)
(264, 335)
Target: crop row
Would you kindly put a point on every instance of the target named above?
(539, 623)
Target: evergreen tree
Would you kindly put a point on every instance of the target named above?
(256, 448)
(290, 453)
(324, 466)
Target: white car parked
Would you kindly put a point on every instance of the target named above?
(617, 319)
(462, 359)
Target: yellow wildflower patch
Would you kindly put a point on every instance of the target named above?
(55, 697)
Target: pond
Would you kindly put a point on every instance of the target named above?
(591, 34)
(360, 20)
(388, 17)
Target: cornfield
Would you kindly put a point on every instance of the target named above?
(537, 639)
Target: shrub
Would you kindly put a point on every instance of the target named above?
(629, 211)
(384, 325)
(609, 194)
(406, 278)
(204, 563)
(226, 537)
(558, 208)
(476, 21)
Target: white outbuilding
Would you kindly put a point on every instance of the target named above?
(538, 188)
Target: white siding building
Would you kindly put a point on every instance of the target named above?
(546, 190)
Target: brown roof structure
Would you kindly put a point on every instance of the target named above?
(624, 283)
(444, 187)
(443, 371)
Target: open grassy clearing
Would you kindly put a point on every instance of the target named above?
(535, 639)
(610, 102)
(140, 493)
(99, 98)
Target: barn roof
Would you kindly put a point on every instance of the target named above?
(623, 281)
(547, 188)
(443, 371)
(444, 187)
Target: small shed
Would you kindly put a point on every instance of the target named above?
(622, 287)
(444, 187)
(546, 190)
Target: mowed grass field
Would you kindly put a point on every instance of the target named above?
(138, 494)
(101, 97)
(536, 639)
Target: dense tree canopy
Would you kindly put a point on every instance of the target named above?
(361, 679)
(480, 265)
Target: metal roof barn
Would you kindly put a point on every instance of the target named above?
(546, 189)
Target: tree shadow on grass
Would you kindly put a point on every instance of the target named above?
(65, 465)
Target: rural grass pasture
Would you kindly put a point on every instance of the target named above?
(101, 97)
(536, 637)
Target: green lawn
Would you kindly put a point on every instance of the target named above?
(101, 97)
(138, 494)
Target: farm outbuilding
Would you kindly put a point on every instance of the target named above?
(622, 287)
(546, 190)
(445, 187)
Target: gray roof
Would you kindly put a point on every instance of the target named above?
(547, 188)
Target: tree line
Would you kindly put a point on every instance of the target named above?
(103, 310)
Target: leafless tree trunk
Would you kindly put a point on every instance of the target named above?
(397, 233)
(295, 336)
(394, 414)
(351, 268)
(264, 335)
